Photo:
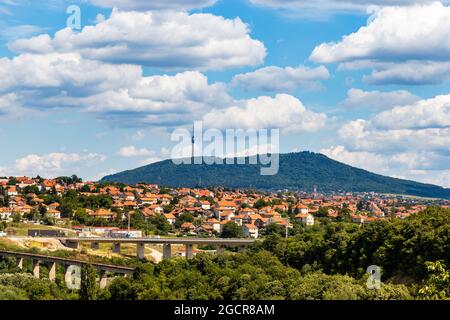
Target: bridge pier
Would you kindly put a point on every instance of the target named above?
(95, 246)
(72, 244)
(140, 250)
(36, 264)
(20, 263)
(241, 249)
(167, 251)
(52, 271)
(116, 247)
(189, 251)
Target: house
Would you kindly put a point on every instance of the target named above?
(103, 214)
(53, 213)
(205, 205)
(53, 206)
(302, 209)
(306, 218)
(206, 228)
(156, 209)
(187, 226)
(215, 224)
(170, 218)
(5, 213)
(12, 191)
(250, 230)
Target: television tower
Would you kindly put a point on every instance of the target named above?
(193, 143)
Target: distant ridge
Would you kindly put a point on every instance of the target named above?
(298, 171)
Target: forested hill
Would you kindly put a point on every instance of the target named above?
(298, 171)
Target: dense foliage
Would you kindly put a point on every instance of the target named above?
(400, 247)
(250, 276)
(327, 261)
(298, 171)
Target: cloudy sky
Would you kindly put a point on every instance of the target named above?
(365, 82)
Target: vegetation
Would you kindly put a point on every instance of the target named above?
(327, 261)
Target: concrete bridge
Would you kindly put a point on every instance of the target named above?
(37, 259)
(219, 244)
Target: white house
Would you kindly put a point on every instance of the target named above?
(250, 230)
(306, 218)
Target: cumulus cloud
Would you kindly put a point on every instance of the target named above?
(146, 5)
(166, 40)
(411, 141)
(283, 111)
(431, 113)
(276, 79)
(396, 43)
(132, 151)
(67, 72)
(158, 100)
(54, 164)
(357, 98)
(360, 159)
(427, 167)
(115, 92)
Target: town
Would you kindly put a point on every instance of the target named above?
(123, 211)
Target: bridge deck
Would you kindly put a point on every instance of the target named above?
(203, 241)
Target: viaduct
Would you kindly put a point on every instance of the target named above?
(37, 259)
(219, 244)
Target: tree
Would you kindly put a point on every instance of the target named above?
(231, 230)
(274, 228)
(182, 218)
(437, 287)
(88, 289)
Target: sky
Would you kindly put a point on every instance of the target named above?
(364, 82)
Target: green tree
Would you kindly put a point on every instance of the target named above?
(231, 230)
(437, 286)
(88, 289)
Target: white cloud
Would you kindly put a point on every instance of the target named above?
(431, 113)
(406, 73)
(54, 164)
(66, 72)
(276, 79)
(283, 111)
(110, 91)
(166, 40)
(416, 32)
(132, 151)
(396, 43)
(426, 167)
(146, 5)
(362, 135)
(357, 98)
(158, 100)
(410, 141)
(360, 159)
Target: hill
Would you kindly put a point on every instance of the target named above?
(298, 171)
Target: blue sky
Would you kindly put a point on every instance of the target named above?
(364, 82)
